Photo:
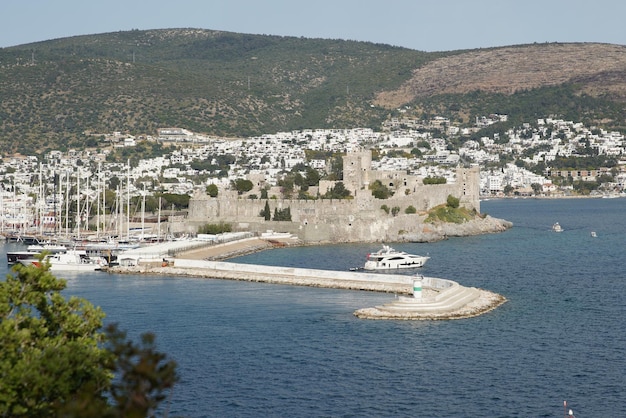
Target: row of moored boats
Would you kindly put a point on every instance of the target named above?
(75, 257)
(95, 256)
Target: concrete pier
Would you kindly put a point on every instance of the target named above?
(439, 298)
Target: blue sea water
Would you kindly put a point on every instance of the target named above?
(251, 349)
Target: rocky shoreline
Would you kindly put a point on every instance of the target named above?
(432, 232)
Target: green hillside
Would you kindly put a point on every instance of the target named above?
(66, 92)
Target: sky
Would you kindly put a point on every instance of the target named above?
(424, 25)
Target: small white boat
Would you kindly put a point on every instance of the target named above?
(556, 227)
(72, 260)
(593, 234)
(51, 248)
(389, 259)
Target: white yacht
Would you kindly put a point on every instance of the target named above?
(72, 260)
(389, 259)
(557, 228)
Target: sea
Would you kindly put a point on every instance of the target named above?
(249, 349)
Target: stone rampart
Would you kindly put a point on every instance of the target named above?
(346, 220)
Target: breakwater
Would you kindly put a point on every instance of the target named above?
(442, 298)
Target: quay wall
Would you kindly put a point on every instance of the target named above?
(299, 276)
(442, 299)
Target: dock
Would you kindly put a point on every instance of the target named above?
(441, 298)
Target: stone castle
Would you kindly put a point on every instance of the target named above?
(360, 219)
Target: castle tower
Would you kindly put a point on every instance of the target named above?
(468, 181)
(356, 168)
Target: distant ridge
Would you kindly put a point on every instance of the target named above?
(600, 69)
(67, 92)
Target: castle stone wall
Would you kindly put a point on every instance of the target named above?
(347, 220)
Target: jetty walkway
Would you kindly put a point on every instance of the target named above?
(441, 298)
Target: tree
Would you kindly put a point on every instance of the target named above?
(410, 210)
(379, 190)
(266, 213)
(180, 201)
(286, 185)
(242, 185)
(337, 192)
(434, 180)
(395, 210)
(312, 177)
(282, 214)
(212, 190)
(49, 347)
(55, 361)
(453, 202)
(537, 188)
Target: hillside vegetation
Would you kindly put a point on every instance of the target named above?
(65, 93)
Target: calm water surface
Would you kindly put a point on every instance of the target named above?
(250, 349)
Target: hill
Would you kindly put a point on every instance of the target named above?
(67, 92)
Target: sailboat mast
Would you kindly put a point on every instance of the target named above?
(78, 203)
(159, 222)
(143, 211)
(98, 203)
(128, 199)
(67, 204)
(104, 208)
(41, 200)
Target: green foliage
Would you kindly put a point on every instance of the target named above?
(582, 163)
(215, 229)
(212, 190)
(336, 168)
(434, 180)
(385, 209)
(55, 361)
(445, 213)
(145, 375)
(452, 202)
(379, 190)
(197, 81)
(49, 347)
(338, 192)
(242, 185)
(282, 214)
(266, 213)
(537, 188)
(180, 201)
(395, 210)
(585, 187)
(213, 163)
(410, 210)
(312, 177)
(286, 185)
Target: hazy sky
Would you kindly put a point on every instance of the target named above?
(426, 25)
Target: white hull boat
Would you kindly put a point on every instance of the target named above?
(389, 259)
(71, 261)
